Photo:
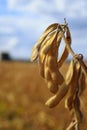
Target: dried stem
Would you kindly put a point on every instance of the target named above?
(77, 56)
(72, 124)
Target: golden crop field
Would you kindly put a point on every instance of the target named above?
(23, 94)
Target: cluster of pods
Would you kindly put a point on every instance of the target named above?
(74, 82)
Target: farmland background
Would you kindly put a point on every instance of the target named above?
(22, 97)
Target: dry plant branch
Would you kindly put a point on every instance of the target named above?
(46, 51)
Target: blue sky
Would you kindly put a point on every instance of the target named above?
(23, 21)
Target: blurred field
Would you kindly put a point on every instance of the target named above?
(22, 97)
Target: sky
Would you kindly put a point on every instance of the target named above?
(23, 21)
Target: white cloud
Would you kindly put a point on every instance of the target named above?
(11, 4)
(6, 30)
(70, 8)
(60, 5)
(19, 5)
(8, 43)
(13, 41)
(76, 9)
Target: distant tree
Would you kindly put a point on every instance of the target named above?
(4, 56)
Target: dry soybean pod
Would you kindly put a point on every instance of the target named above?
(83, 65)
(49, 29)
(70, 72)
(38, 44)
(65, 51)
(52, 61)
(55, 100)
(52, 86)
(73, 103)
(66, 42)
(43, 52)
(47, 43)
(41, 67)
(82, 82)
(50, 58)
(76, 107)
